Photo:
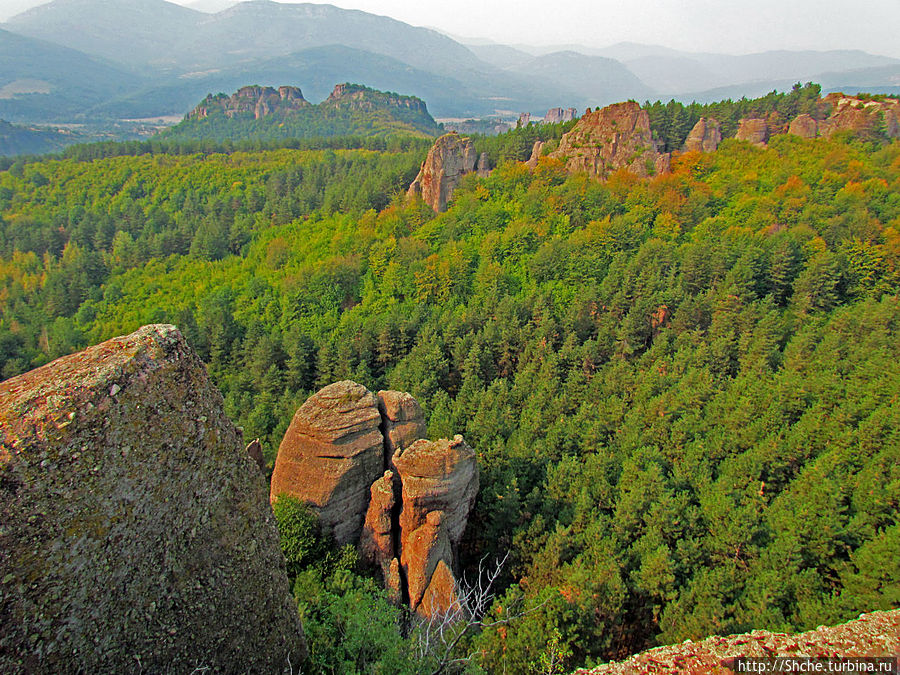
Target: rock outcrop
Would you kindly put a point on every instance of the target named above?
(330, 455)
(556, 115)
(134, 528)
(875, 634)
(417, 498)
(449, 159)
(359, 97)
(536, 151)
(524, 120)
(483, 166)
(439, 482)
(754, 130)
(804, 126)
(862, 115)
(615, 137)
(254, 100)
(704, 137)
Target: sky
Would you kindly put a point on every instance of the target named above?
(727, 26)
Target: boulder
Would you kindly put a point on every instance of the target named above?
(704, 137)
(449, 159)
(804, 126)
(403, 421)
(330, 456)
(134, 528)
(865, 116)
(753, 130)
(615, 137)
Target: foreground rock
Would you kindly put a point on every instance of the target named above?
(615, 137)
(330, 455)
(362, 463)
(704, 137)
(134, 528)
(875, 634)
(449, 159)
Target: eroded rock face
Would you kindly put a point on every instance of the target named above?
(536, 151)
(804, 126)
(449, 159)
(556, 115)
(615, 137)
(875, 634)
(704, 137)
(753, 130)
(330, 456)
(134, 527)
(862, 116)
(258, 101)
(417, 498)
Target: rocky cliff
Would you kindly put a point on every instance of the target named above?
(359, 97)
(612, 138)
(862, 115)
(875, 634)
(704, 137)
(256, 101)
(361, 461)
(449, 159)
(135, 533)
(556, 115)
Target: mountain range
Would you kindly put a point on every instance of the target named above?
(75, 60)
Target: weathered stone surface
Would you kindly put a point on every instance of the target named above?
(330, 455)
(556, 115)
(862, 116)
(875, 634)
(259, 101)
(422, 549)
(376, 543)
(441, 595)
(704, 137)
(134, 528)
(804, 126)
(437, 476)
(615, 137)
(535, 155)
(754, 130)
(483, 166)
(403, 421)
(449, 159)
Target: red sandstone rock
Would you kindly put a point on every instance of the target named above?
(535, 154)
(441, 595)
(753, 130)
(448, 160)
(402, 419)
(616, 137)
(862, 116)
(422, 550)
(804, 126)
(704, 137)
(875, 634)
(376, 543)
(330, 455)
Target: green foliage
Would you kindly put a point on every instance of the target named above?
(683, 391)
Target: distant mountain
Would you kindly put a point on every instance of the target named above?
(592, 79)
(501, 56)
(20, 140)
(40, 81)
(264, 113)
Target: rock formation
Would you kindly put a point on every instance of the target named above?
(359, 97)
(449, 159)
(556, 115)
(875, 634)
(134, 528)
(804, 126)
(258, 101)
(754, 130)
(439, 482)
(483, 166)
(330, 455)
(615, 137)
(254, 450)
(535, 155)
(704, 137)
(524, 120)
(862, 115)
(417, 499)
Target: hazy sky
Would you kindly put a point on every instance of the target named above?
(731, 26)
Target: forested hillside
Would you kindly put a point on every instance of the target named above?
(684, 392)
